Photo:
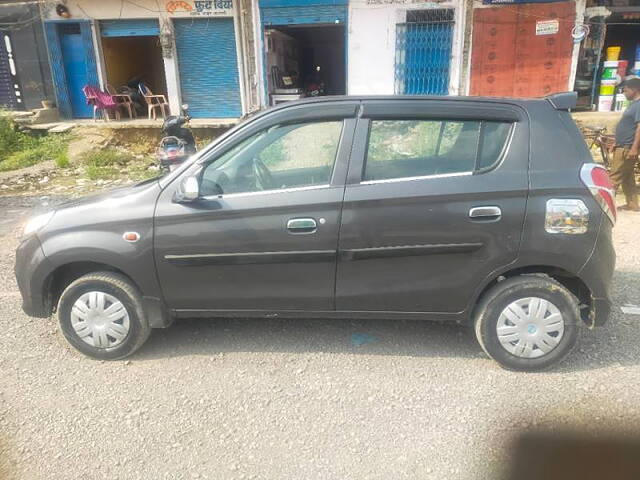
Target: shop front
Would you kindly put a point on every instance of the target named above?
(178, 51)
(304, 48)
(406, 48)
(609, 53)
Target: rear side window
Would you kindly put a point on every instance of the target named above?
(494, 141)
(415, 148)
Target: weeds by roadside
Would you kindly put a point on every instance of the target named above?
(104, 164)
(110, 163)
(20, 150)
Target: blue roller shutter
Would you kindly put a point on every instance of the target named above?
(304, 15)
(208, 65)
(130, 28)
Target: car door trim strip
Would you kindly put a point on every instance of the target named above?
(251, 258)
(408, 251)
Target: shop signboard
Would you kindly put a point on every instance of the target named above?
(403, 2)
(199, 8)
(547, 27)
(513, 2)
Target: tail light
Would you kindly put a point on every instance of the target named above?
(596, 178)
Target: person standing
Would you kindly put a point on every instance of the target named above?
(625, 153)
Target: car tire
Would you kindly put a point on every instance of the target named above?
(528, 323)
(101, 315)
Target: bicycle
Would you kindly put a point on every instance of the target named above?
(598, 137)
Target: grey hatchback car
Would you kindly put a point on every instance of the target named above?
(481, 211)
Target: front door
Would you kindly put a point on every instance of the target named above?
(263, 236)
(75, 68)
(435, 202)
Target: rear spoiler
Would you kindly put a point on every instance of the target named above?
(563, 101)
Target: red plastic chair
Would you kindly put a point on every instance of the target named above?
(101, 102)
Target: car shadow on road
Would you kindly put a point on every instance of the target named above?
(610, 346)
(370, 337)
(613, 345)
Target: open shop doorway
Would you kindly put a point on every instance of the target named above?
(304, 61)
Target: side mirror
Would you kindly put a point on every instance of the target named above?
(189, 190)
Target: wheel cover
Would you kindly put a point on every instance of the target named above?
(530, 327)
(100, 319)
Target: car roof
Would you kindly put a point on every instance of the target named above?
(560, 101)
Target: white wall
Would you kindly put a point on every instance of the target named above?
(580, 9)
(372, 45)
(372, 49)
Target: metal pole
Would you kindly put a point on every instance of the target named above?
(597, 70)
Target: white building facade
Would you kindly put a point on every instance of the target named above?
(358, 47)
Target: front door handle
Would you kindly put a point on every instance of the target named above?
(486, 213)
(302, 225)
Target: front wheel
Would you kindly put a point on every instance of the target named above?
(101, 315)
(528, 323)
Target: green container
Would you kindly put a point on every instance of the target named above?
(609, 73)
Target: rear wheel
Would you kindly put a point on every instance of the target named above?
(528, 323)
(101, 315)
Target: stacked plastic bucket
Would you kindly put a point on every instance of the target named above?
(613, 72)
(609, 79)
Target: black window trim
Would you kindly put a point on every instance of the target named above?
(501, 155)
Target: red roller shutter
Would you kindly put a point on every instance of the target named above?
(508, 59)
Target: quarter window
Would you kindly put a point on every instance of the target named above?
(284, 156)
(413, 148)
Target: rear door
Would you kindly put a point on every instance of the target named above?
(435, 202)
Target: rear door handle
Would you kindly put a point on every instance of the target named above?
(302, 225)
(485, 213)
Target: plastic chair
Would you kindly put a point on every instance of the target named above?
(154, 102)
(101, 102)
(124, 100)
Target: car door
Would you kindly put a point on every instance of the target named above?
(435, 202)
(263, 234)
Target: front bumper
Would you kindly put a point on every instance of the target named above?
(31, 271)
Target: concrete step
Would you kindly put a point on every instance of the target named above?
(38, 116)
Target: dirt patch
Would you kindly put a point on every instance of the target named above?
(47, 178)
(138, 141)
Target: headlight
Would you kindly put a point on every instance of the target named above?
(36, 223)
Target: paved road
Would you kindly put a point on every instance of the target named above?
(298, 399)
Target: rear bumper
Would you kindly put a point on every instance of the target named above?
(597, 274)
(600, 311)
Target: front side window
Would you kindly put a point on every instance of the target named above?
(414, 148)
(283, 156)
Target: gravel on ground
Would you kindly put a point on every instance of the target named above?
(303, 399)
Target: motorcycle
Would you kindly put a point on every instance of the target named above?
(177, 143)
